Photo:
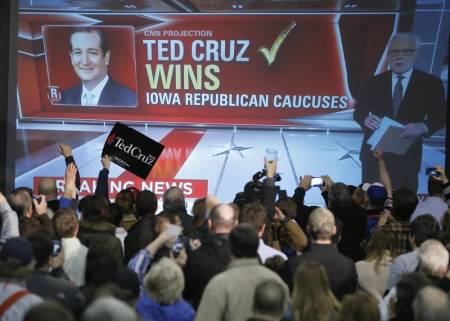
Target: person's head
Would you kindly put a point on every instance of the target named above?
(115, 214)
(255, 214)
(42, 248)
(434, 187)
(100, 266)
(402, 52)
(47, 187)
(269, 301)
(222, 219)
(359, 197)
(321, 224)
(109, 309)
(66, 223)
(312, 298)
(173, 197)
(382, 243)
(128, 281)
(95, 208)
(125, 200)
(165, 282)
(404, 204)
(16, 259)
(21, 202)
(146, 204)
(431, 304)
(244, 241)
(199, 213)
(359, 307)
(376, 195)
(49, 311)
(422, 228)
(445, 223)
(275, 263)
(433, 258)
(288, 207)
(89, 55)
(339, 196)
(407, 288)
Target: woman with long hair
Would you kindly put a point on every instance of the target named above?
(373, 271)
(312, 299)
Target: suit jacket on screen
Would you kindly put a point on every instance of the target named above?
(114, 94)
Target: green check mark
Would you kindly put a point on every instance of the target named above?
(271, 54)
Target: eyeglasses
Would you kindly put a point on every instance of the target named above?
(403, 52)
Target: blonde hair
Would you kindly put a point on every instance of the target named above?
(321, 223)
(312, 299)
(165, 282)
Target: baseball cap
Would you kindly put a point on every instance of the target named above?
(376, 192)
(17, 248)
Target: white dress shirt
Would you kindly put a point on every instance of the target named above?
(75, 255)
(265, 251)
(91, 97)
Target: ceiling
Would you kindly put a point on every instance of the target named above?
(231, 5)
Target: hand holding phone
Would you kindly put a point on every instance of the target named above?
(431, 171)
(317, 181)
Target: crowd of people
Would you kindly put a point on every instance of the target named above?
(370, 253)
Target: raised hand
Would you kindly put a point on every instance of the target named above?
(65, 150)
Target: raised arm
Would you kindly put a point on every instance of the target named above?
(269, 188)
(70, 190)
(66, 151)
(102, 180)
(383, 172)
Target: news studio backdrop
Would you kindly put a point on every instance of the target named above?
(217, 84)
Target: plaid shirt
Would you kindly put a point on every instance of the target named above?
(401, 231)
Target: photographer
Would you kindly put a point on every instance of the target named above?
(286, 235)
(304, 211)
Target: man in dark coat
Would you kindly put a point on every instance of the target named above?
(340, 269)
(407, 95)
(213, 256)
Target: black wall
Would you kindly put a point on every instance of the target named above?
(8, 36)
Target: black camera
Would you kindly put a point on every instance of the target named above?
(431, 171)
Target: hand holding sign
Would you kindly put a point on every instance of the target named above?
(132, 150)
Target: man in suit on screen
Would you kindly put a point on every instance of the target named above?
(90, 56)
(407, 95)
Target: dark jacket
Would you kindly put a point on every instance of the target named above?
(101, 236)
(354, 226)
(114, 94)
(423, 101)
(340, 269)
(139, 236)
(49, 287)
(211, 258)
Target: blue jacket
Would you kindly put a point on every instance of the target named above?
(149, 310)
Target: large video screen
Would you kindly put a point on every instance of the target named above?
(218, 89)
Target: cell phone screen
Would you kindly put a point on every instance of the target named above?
(316, 181)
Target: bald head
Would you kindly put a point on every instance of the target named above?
(47, 187)
(431, 304)
(222, 219)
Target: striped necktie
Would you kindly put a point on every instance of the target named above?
(398, 95)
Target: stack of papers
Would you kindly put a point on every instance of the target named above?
(387, 137)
